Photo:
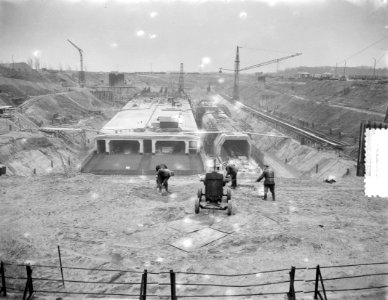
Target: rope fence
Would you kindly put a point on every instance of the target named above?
(138, 289)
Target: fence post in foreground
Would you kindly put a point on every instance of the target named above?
(291, 292)
(143, 286)
(173, 285)
(29, 287)
(60, 264)
(318, 277)
(3, 286)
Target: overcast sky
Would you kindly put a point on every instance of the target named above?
(137, 35)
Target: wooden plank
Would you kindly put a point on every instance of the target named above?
(198, 239)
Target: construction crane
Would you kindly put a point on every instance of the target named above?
(237, 70)
(81, 75)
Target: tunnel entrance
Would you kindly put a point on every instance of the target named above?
(124, 147)
(170, 147)
(147, 146)
(101, 146)
(235, 148)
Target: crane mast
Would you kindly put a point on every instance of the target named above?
(81, 75)
(237, 70)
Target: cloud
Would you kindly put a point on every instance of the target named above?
(140, 33)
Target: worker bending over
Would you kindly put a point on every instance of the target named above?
(162, 177)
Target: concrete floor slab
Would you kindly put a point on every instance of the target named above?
(198, 239)
(190, 223)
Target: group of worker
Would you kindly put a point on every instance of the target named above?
(163, 174)
(268, 174)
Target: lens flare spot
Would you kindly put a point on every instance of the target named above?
(140, 33)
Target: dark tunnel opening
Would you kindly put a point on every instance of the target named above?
(235, 148)
(124, 147)
(170, 147)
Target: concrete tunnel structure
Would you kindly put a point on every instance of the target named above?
(147, 132)
(224, 137)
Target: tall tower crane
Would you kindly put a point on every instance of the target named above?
(81, 75)
(237, 70)
(181, 83)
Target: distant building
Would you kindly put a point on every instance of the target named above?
(303, 75)
(116, 79)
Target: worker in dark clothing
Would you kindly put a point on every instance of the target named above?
(163, 176)
(158, 167)
(232, 170)
(161, 166)
(269, 181)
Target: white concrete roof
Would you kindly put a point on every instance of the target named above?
(140, 114)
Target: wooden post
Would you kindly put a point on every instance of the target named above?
(29, 287)
(60, 264)
(3, 286)
(291, 292)
(172, 284)
(318, 277)
(143, 295)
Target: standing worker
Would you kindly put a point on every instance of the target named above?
(269, 181)
(232, 170)
(163, 176)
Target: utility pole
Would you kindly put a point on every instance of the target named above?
(181, 84)
(374, 68)
(344, 70)
(236, 94)
(81, 76)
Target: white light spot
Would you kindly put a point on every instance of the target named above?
(243, 15)
(95, 196)
(26, 235)
(187, 220)
(143, 177)
(205, 60)
(187, 243)
(127, 167)
(206, 276)
(36, 53)
(292, 208)
(114, 45)
(258, 275)
(29, 262)
(140, 225)
(306, 259)
(173, 196)
(140, 33)
(152, 36)
(229, 292)
(153, 14)
(159, 259)
(221, 80)
(147, 264)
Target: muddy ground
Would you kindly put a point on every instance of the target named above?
(117, 222)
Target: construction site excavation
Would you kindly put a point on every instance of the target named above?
(239, 178)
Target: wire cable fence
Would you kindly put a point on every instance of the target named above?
(13, 280)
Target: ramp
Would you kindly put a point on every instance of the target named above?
(137, 164)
